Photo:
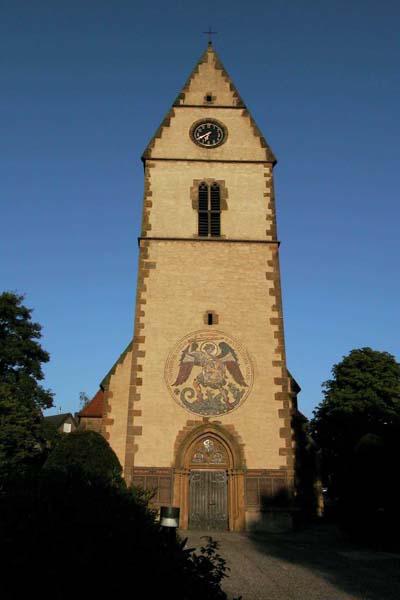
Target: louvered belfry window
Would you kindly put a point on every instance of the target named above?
(209, 210)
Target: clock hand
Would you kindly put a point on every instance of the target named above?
(204, 135)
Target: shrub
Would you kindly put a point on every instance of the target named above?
(88, 454)
(66, 532)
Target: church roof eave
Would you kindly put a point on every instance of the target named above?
(296, 387)
(105, 381)
(164, 123)
(95, 407)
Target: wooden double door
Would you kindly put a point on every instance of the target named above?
(208, 500)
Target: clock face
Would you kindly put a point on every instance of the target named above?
(208, 133)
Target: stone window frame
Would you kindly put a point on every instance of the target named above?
(194, 196)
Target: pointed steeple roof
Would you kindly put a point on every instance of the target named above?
(209, 72)
(209, 86)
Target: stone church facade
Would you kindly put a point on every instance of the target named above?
(200, 405)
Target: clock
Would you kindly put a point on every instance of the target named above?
(208, 133)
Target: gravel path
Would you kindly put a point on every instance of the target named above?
(316, 564)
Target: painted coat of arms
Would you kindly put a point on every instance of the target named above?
(209, 373)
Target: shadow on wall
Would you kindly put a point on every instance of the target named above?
(274, 513)
(286, 509)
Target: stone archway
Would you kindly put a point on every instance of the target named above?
(211, 457)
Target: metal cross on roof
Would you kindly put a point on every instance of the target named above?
(210, 33)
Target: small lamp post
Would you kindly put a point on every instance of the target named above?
(169, 521)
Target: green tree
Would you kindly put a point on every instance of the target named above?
(356, 426)
(22, 398)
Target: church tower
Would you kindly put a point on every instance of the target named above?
(199, 405)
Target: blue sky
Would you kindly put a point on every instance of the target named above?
(83, 87)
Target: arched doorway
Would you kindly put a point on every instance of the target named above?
(209, 481)
(208, 484)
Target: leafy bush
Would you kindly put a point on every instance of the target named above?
(88, 454)
(75, 528)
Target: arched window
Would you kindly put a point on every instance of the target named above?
(209, 210)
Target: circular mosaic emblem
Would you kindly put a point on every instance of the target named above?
(209, 373)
